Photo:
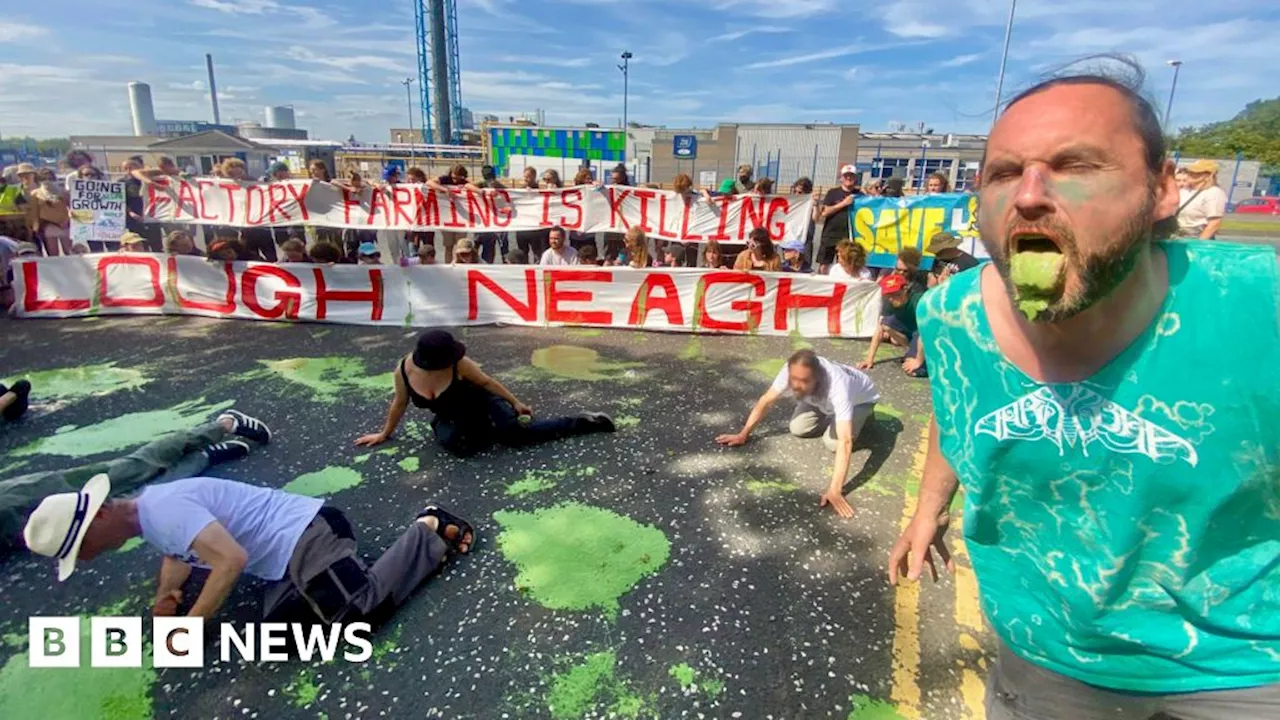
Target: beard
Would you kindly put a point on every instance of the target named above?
(1092, 276)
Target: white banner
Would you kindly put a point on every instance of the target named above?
(585, 208)
(97, 210)
(676, 299)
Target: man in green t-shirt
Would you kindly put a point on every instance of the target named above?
(739, 185)
(899, 299)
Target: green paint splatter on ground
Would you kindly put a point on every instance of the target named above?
(712, 687)
(768, 367)
(626, 421)
(529, 486)
(76, 693)
(303, 691)
(884, 484)
(319, 334)
(386, 646)
(327, 481)
(922, 418)
(889, 351)
(361, 459)
(577, 557)
(130, 545)
(585, 332)
(539, 480)
(410, 464)
(14, 640)
(12, 467)
(388, 451)
(630, 402)
(571, 362)
(593, 685)
(868, 708)
(769, 487)
(888, 411)
(123, 432)
(326, 377)
(75, 383)
(692, 350)
(684, 674)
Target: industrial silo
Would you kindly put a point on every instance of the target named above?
(141, 109)
(280, 116)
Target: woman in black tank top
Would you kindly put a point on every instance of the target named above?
(471, 411)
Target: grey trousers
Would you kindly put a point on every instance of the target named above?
(807, 422)
(1019, 690)
(327, 581)
(172, 457)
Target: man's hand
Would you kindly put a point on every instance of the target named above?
(167, 605)
(911, 365)
(835, 498)
(522, 409)
(371, 440)
(865, 364)
(733, 440)
(915, 548)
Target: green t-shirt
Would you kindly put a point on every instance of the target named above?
(1125, 530)
(731, 186)
(905, 316)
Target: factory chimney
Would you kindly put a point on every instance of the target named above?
(440, 68)
(213, 89)
(141, 111)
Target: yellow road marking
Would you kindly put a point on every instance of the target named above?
(905, 692)
(969, 623)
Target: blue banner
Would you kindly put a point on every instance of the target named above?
(886, 225)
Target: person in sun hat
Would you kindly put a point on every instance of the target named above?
(1200, 214)
(131, 242)
(472, 411)
(898, 325)
(948, 258)
(179, 454)
(304, 548)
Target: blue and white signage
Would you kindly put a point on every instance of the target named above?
(685, 146)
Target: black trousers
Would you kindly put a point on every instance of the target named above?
(502, 426)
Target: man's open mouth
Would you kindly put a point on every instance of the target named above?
(1037, 271)
(1034, 242)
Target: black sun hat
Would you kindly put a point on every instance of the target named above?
(437, 350)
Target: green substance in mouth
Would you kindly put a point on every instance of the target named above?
(75, 383)
(593, 684)
(327, 377)
(123, 432)
(328, 481)
(1037, 278)
(577, 557)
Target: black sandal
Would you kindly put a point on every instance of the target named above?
(446, 520)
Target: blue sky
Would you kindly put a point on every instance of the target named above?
(64, 63)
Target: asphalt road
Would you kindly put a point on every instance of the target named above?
(764, 607)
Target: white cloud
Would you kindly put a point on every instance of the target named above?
(246, 7)
(845, 51)
(779, 8)
(17, 32)
(352, 62)
(959, 60)
(578, 62)
(760, 30)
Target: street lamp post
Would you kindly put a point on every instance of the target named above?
(408, 94)
(924, 150)
(1004, 58)
(1168, 110)
(625, 67)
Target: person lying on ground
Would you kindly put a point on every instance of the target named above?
(898, 325)
(471, 410)
(180, 242)
(304, 548)
(177, 455)
(14, 400)
(832, 400)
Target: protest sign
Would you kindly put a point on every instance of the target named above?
(675, 299)
(587, 208)
(885, 225)
(97, 210)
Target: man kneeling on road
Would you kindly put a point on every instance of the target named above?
(832, 400)
(305, 549)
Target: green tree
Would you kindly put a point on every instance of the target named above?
(1255, 132)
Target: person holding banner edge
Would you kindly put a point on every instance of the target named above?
(834, 215)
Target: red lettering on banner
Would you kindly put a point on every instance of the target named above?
(454, 221)
(723, 201)
(200, 186)
(684, 224)
(230, 190)
(154, 199)
(478, 209)
(752, 308)
(226, 307)
(787, 301)
(428, 207)
(662, 219)
(347, 204)
(555, 296)
(645, 196)
(644, 302)
(31, 301)
(749, 212)
(249, 192)
(287, 302)
(373, 295)
(571, 200)
(501, 213)
(186, 201)
(377, 201)
(278, 196)
(301, 197)
(528, 311)
(104, 287)
(778, 230)
(400, 198)
(546, 209)
(616, 215)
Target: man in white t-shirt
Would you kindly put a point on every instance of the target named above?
(560, 252)
(305, 549)
(832, 400)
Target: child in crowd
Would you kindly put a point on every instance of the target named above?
(369, 254)
(673, 255)
(713, 256)
(294, 251)
(588, 255)
(326, 253)
(793, 259)
(180, 242)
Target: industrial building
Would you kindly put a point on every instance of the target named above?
(198, 152)
(914, 156)
(781, 151)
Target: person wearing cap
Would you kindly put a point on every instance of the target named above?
(226, 247)
(178, 454)
(49, 214)
(26, 174)
(1200, 214)
(369, 254)
(132, 243)
(833, 401)
(302, 547)
(180, 242)
(948, 258)
(793, 259)
(833, 213)
(740, 185)
(560, 253)
(899, 299)
(471, 410)
(465, 253)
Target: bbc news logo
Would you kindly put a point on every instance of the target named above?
(178, 642)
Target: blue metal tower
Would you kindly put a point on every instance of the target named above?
(455, 72)
(424, 71)
(436, 30)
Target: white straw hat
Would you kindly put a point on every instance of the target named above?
(58, 525)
